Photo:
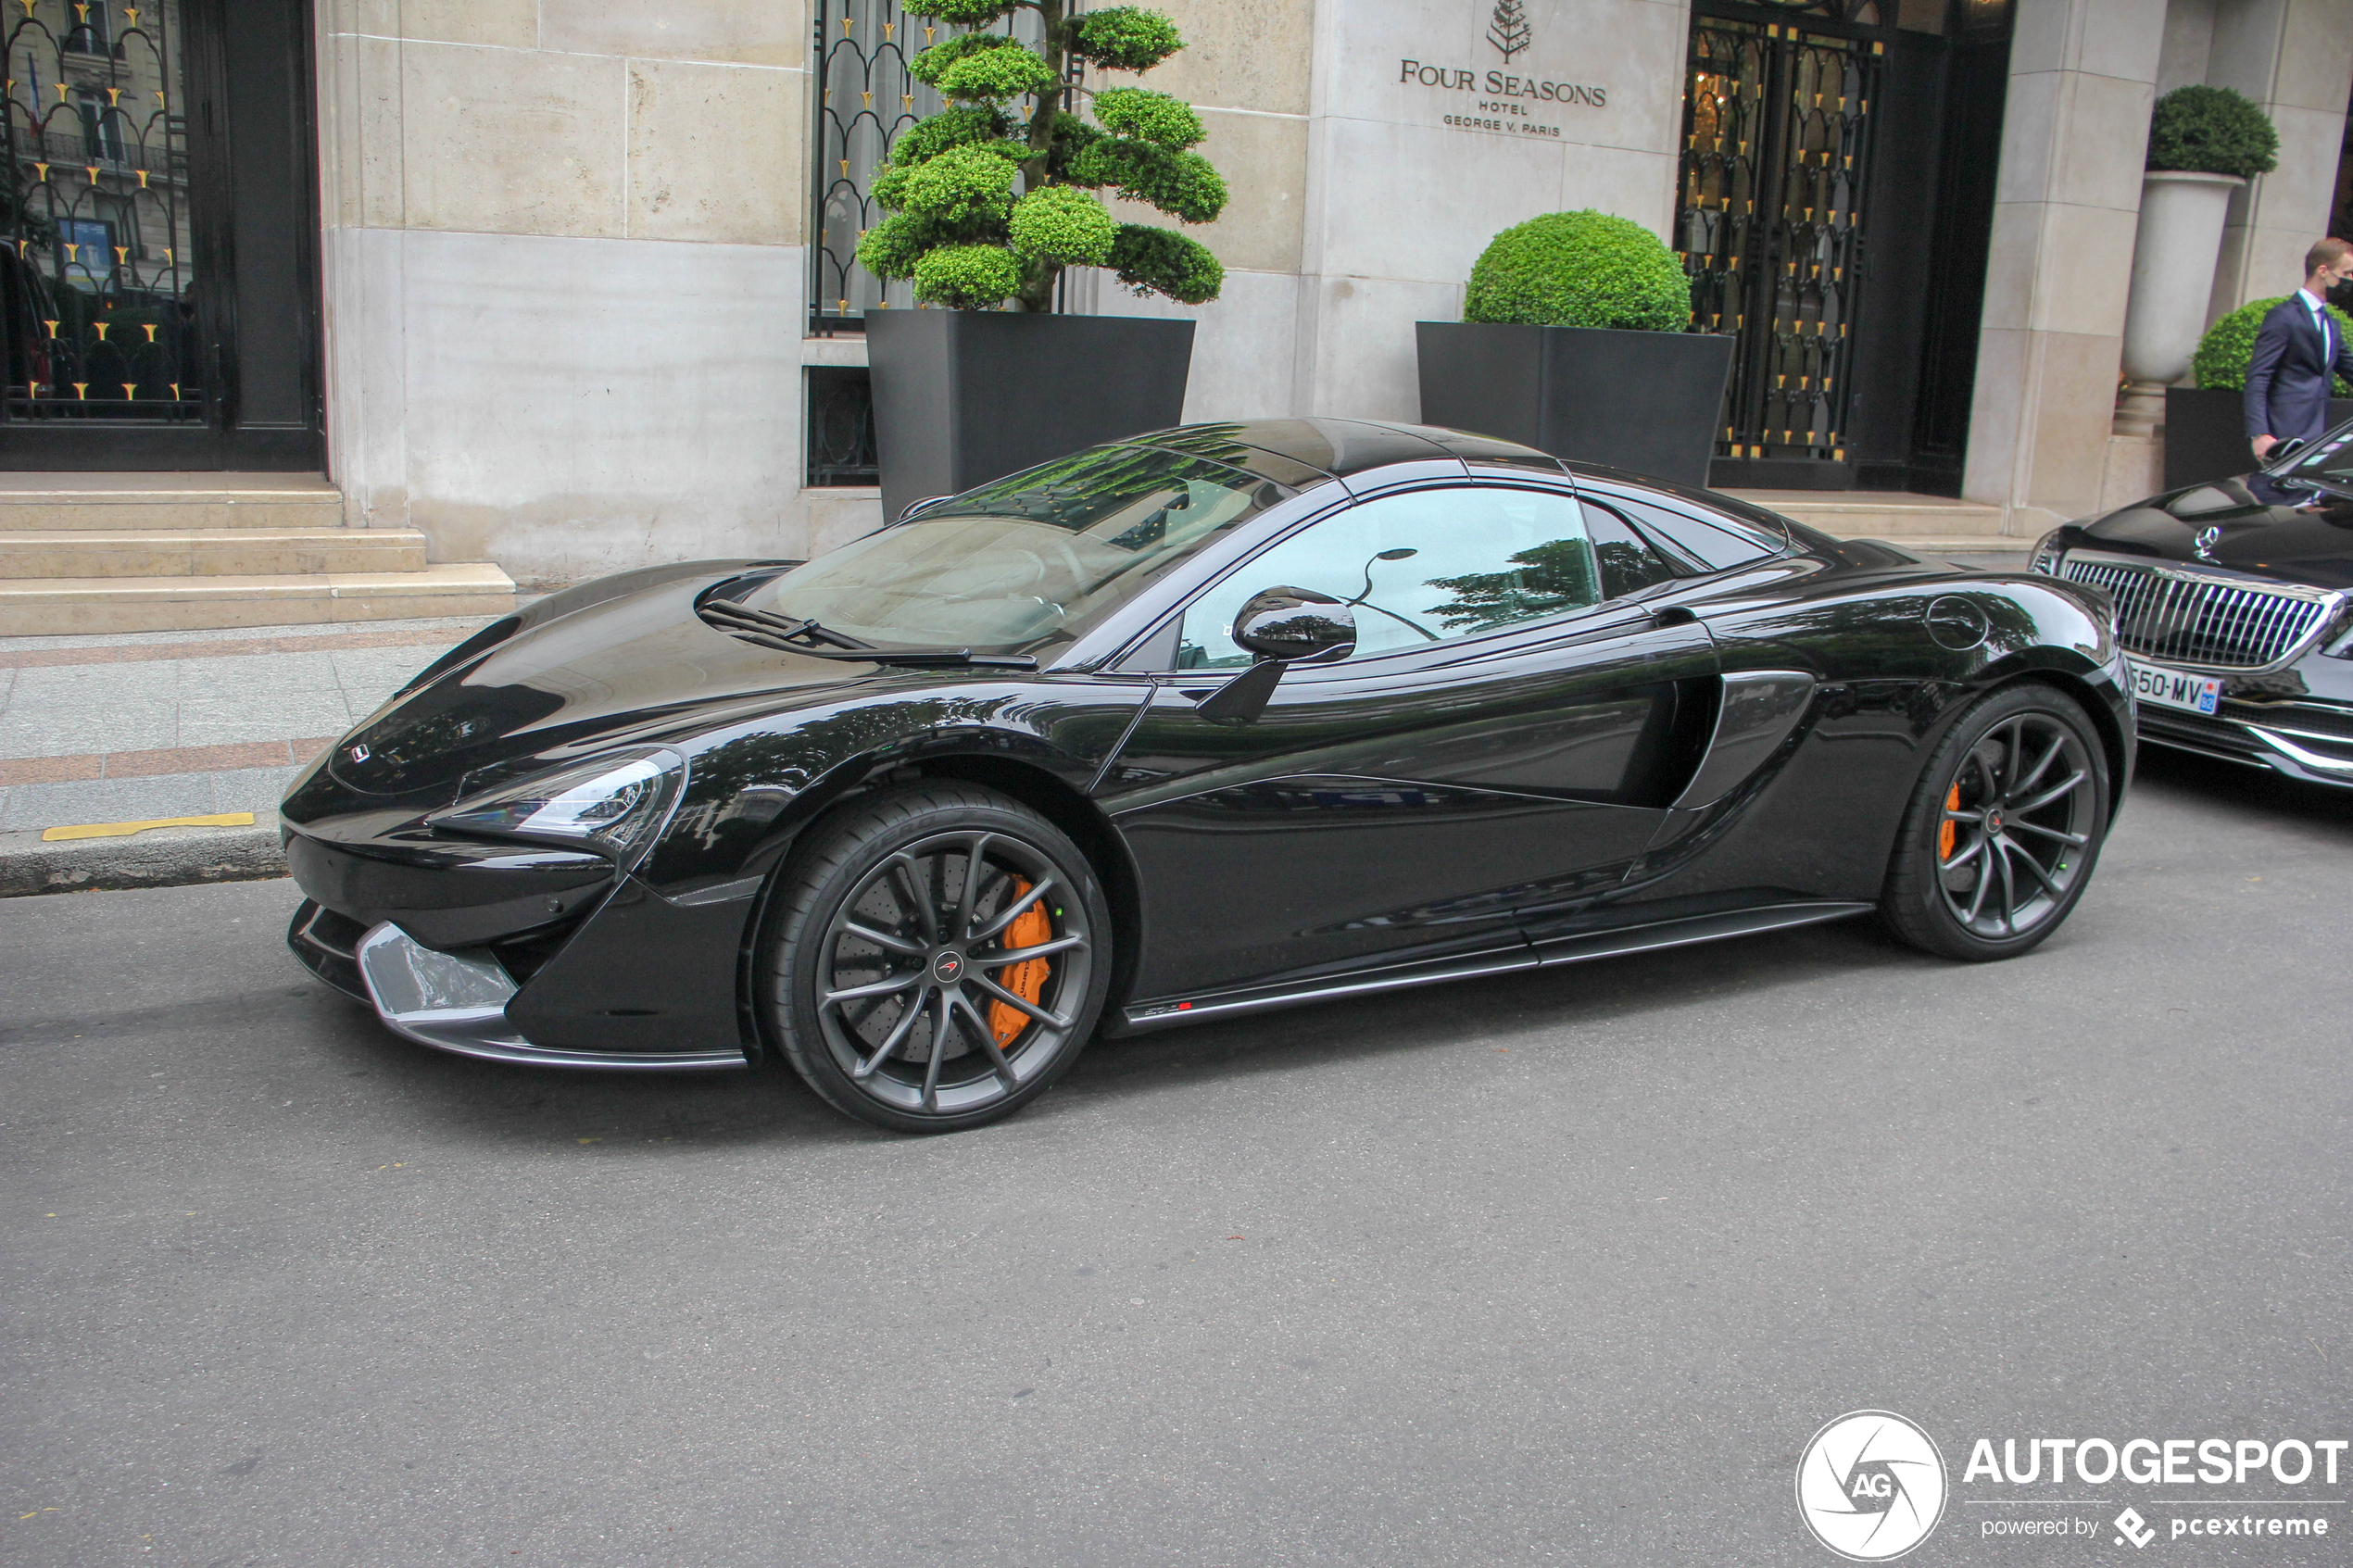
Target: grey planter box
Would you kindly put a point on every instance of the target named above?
(2206, 435)
(1645, 401)
(965, 396)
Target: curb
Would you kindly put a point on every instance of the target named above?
(157, 858)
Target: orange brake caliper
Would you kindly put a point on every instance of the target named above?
(1026, 979)
(1944, 833)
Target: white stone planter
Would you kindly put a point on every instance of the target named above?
(2174, 258)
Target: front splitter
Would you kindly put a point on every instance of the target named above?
(456, 1002)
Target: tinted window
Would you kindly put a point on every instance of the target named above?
(1420, 567)
(1630, 563)
(1712, 542)
(1029, 558)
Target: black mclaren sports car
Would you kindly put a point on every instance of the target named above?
(2234, 605)
(1217, 719)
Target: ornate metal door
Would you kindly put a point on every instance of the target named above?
(864, 99)
(120, 299)
(1777, 149)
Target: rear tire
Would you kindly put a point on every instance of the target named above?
(2003, 828)
(886, 972)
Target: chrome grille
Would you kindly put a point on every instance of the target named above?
(2186, 617)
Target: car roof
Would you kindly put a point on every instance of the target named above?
(1301, 452)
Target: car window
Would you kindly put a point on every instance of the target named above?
(1630, 563)
(1711, 545)
(1421, 568)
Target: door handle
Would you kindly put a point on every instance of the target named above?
(1672, 615)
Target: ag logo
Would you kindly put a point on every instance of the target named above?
(1870, 1485)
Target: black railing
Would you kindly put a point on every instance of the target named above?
(1776, 156)
(71, 149)
(864, 99)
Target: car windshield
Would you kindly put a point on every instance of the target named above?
(2329, 460)
(1033, 558)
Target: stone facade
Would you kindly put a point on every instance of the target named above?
(566, 240)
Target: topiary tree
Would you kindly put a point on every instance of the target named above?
(2211, 131)
(1583, 268)
(985, 208)
(2222, 354)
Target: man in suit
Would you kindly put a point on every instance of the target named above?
(2296, 351)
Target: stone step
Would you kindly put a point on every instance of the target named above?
(1860, 514)
(41, 605)
(116, 502)
(206, 552)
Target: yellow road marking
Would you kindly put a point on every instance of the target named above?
(124, 830)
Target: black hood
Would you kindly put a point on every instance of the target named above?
(2251, 525)
(641, 664)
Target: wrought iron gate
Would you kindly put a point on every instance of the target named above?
(1777, 146)
(864, 99)
(97, 275)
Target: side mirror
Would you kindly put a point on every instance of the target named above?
(1282, 627)
(915, 507)
(1295, 624)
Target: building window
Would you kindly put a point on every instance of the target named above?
(841, 428)
(91, 30)
(101, 135)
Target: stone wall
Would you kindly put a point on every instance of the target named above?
(564, 276)
(1246, 66)
(2067, 205)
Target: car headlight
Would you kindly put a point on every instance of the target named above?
(614, 805)
(2047, 554)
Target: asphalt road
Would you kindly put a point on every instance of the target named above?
(1565, 1269)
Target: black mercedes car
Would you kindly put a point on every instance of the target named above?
(2234, 605)
(1218, 719)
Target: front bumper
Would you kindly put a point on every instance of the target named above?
(2304, 739)
(452, 1001)
(514, 954)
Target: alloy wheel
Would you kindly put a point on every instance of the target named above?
(2014, 833)
(951, 974)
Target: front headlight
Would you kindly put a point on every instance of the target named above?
(614, 805)
(2047, 554)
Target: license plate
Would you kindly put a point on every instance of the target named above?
(2175, 688)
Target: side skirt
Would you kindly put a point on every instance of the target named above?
(1678, 933)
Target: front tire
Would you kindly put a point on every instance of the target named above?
(2003, 828)
(938, 959)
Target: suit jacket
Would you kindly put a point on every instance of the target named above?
(2288, 381)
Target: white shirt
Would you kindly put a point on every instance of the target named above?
(2320, 319)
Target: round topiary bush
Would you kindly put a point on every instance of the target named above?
(1579, 270)
(2229, 344)
(2211, 131)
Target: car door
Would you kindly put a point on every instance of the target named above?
(1505, 733)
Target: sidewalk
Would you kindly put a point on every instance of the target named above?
(136, 726)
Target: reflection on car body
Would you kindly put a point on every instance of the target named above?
(1214, 720)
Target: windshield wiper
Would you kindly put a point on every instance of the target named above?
(942, 659)
(777, 630)
(810, 640)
